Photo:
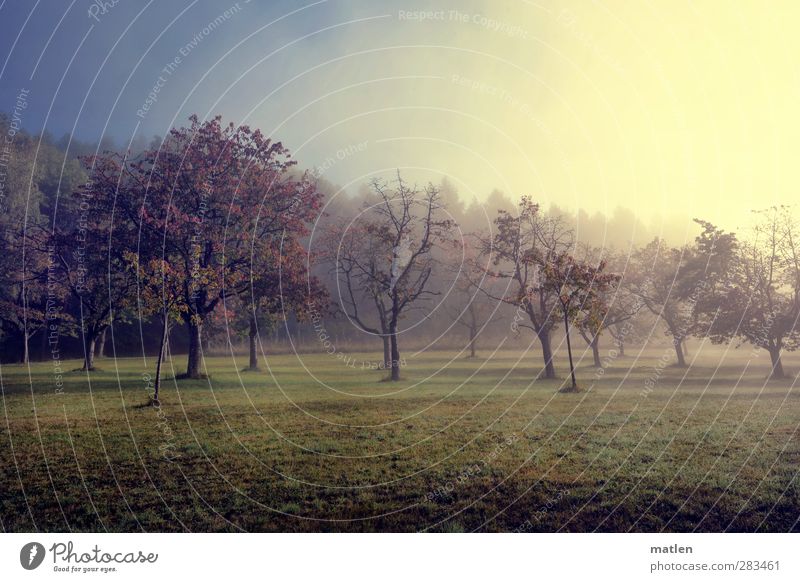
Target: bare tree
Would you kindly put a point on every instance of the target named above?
(358, 258)
(468, 306)
(388, 258)
(471, 310)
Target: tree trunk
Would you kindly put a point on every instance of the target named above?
(162, 348)
(387, 352)
(253, 337)
(547, 354)
(101, 344)
(195, 350)
(569, 352)
(26, 350)
(595, 343)
(88, 352)
(777, 365)
(472, 336)
(395, 353)
(165, 351)
(679, 351)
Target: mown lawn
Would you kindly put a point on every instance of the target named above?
(459, 445)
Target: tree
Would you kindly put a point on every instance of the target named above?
(472, 311)
(401, 228)
(620, 306)
(517, 252)
(358, 256)
(619, 311)
(207, 201)
(94, 272)
(757, 295)
(159, 294)
(655, 278)
(470, 308)
(707, 266)
(580, 289)
(23, 256)
(280, 283)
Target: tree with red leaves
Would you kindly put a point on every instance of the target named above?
(159, 294)
(90, 258)
(280, 284)
(211, 202)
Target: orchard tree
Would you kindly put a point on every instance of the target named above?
(758, 301)
(580, 289)
(158, 293)
(402, 229)
(472, 310)
(280, 284)
(628, 320)
(619, 307)
(655, 278)
(210, 199)
(358, 256)
(94, 272)
(412, 223)
(617, 316)
(469, 307)
(709, 266)
(518, 251)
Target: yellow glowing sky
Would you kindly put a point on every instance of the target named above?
(670, 108)
(677, 107)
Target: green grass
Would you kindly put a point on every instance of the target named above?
(458, 445)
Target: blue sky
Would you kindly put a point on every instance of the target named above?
(93, 73)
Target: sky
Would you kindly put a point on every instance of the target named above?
(670, 108)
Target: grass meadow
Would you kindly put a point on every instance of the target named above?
(313, 444)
